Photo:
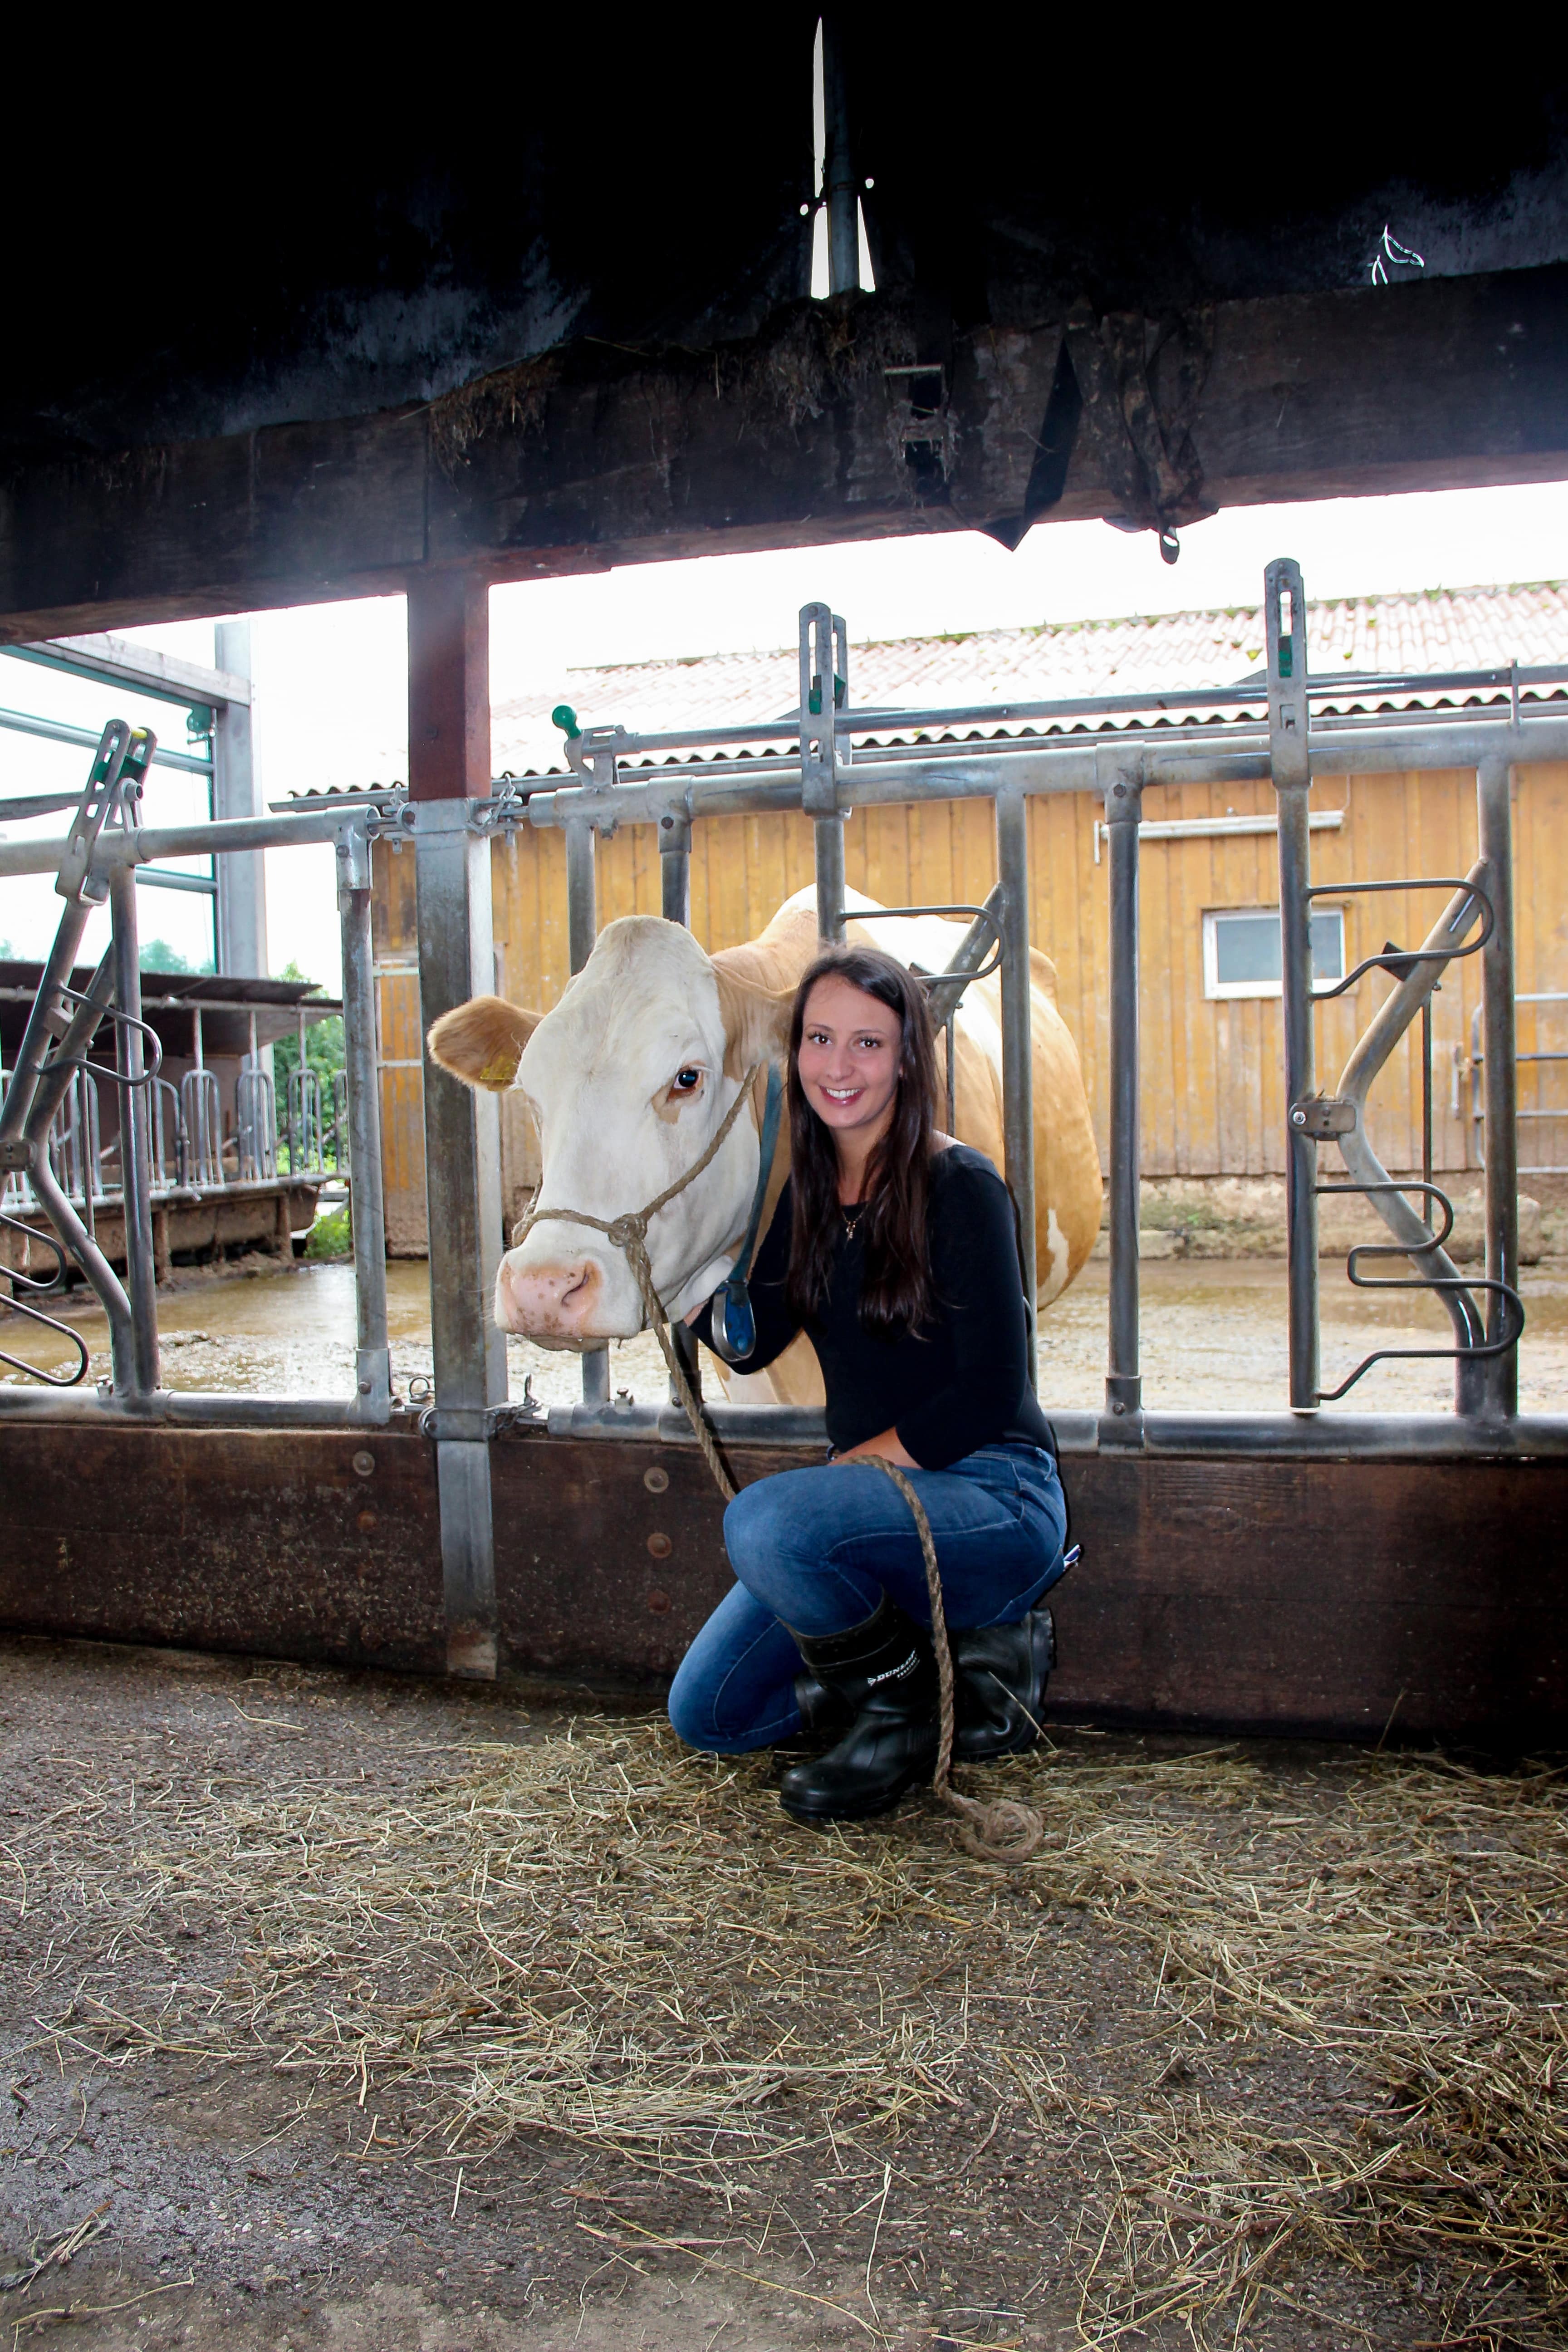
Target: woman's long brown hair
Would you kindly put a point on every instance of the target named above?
(896, 1291)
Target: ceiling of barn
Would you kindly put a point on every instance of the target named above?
(576, 328)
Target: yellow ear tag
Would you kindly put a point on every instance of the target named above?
(498, 1073)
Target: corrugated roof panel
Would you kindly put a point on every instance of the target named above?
(1442, 629)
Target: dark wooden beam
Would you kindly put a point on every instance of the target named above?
(449, 686)
(813, 430)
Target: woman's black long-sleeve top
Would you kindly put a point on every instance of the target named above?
(963, 1383)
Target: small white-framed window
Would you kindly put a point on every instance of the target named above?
(1241, 949)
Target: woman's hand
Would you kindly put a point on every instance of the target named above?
(884, 1447)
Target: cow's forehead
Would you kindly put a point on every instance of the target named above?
(647, 993)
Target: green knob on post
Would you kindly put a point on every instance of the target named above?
(565, 718)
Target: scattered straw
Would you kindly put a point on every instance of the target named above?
(600, 1938)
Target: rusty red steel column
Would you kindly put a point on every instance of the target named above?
(448, 771)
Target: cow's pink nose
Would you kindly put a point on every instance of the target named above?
(554, 1300)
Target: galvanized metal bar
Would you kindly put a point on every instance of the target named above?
(582, 893)
(1340, 1436)
(181, 1408)
(135, 1139)
(462, 1159)
(241, 945)
(1371, 1053)
(945, 994)
(56, 730)
(1123, 1421)
(1017, 1037)
(582, 931)
(1285, 629)
(827, 834)
(675, 867)
(373, 1359)
(675, 891)
(885, 780)
(1496, 1380)
(632, 743)
(164, 677)
(818, 784)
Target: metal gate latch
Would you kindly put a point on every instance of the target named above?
(1324, 1117)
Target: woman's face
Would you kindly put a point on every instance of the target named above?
(849, 1053)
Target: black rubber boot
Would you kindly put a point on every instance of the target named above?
(824, 1713)
(882, 1674)
(999, 1674)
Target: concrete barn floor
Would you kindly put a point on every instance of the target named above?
(1109, 2096)
(1213, 1335)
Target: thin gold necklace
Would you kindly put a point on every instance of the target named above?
(851, 1223)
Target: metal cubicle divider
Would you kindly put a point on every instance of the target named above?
(96, 862)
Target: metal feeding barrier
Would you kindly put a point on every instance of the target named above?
(1273, 736)
(172, 1144)
(824, 760)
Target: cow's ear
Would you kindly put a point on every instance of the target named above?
(756, 1022)
(482, 1042)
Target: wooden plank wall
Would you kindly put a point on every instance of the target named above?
(1212, 1099)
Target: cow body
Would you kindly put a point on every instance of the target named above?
(628, 1080)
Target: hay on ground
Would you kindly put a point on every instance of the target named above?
(597, 1936)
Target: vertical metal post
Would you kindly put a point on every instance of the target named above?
(372, 1358)
(1285, 629)
(241, 943)
(581, 892)
(582, 931)
(1017, 1034)
(675, 890)
(448, 760)
(675, 868)
(135, 1141)
(823, 690)
(828, 833)
(1492, 1385)
(1122, 1424)
(837, 172)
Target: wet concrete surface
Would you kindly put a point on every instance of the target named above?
(1213, 1337)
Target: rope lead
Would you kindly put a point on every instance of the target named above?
(1004, 1830)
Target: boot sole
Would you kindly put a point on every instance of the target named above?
(813, 1819)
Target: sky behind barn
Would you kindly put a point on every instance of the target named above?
(331, 680)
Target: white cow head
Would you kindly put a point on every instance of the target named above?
(627, 1081)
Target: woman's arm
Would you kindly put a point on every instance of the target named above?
(974, 1273)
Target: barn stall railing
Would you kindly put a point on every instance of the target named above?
(824, 772)
(1273, 736)
(189, 1152)
(98, 861)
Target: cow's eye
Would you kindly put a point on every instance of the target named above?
(688, 1081)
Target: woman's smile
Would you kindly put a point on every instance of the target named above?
(848, 1060)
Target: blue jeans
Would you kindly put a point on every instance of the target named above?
(817, 1549)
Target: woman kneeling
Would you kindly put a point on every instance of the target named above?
(895, 1250)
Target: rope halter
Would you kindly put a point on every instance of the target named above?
(629, 1233)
